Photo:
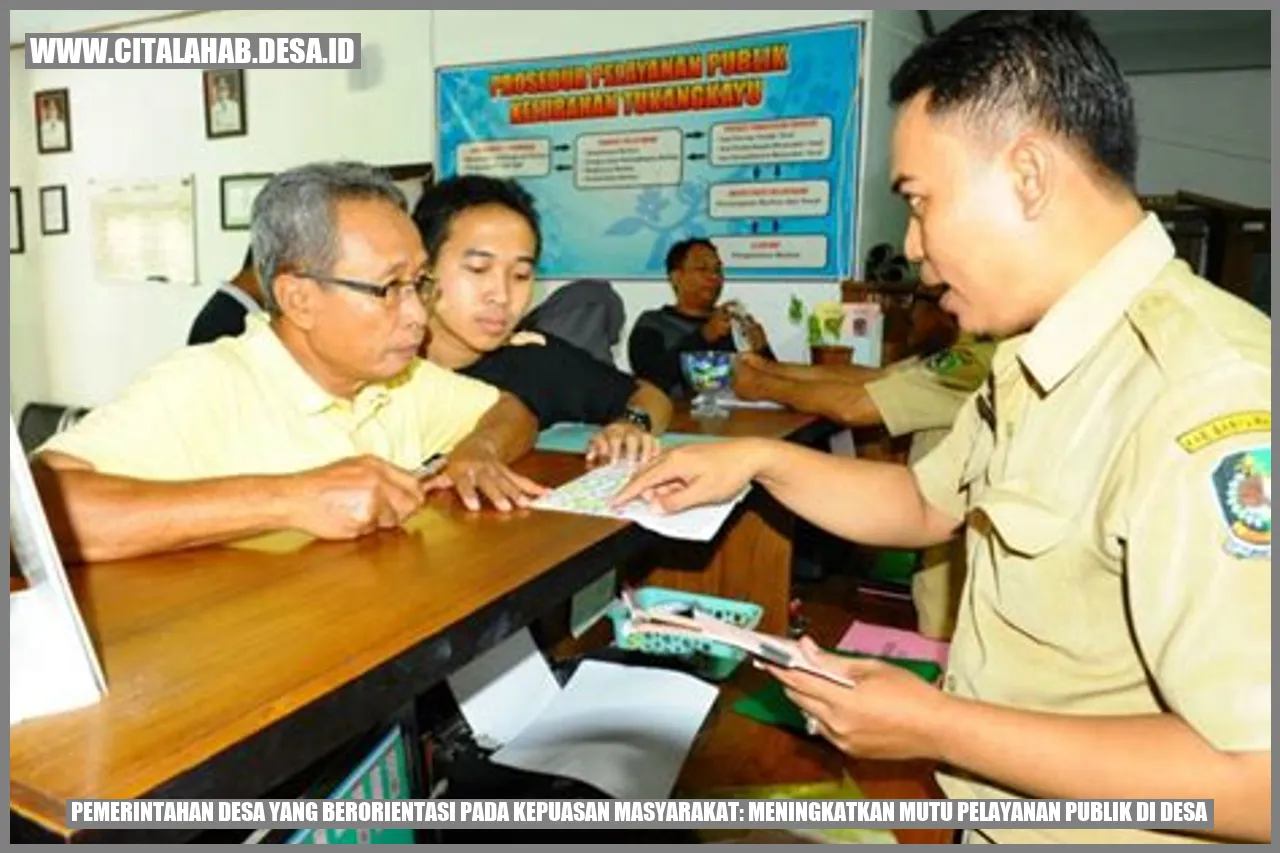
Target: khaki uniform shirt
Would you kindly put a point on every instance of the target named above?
(922, 397)
(1116, 480)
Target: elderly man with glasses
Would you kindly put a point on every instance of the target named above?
(320, 418)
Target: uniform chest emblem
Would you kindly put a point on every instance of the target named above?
(1242, 488)
(947, 361)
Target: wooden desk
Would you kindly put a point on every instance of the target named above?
(232, 671)
(755, 423)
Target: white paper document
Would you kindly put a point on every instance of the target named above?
(733, 401)
(590, 495)
(623, 729)
(505, 688)
(44, 663)
(144, 230)
(53, 665)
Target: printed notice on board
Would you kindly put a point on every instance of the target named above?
(144, 230)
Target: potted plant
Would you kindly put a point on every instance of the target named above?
(824, 325)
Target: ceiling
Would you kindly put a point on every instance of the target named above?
(1151, 42)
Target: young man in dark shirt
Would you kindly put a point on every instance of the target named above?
(695, 323)
(224, 314)
(482, 236)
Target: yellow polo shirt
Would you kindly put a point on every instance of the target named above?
(244, 405)
(1116, 478)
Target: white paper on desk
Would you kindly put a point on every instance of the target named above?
(733, 401)
(504, 689)
(699, 523)
(624, 729)
(590, 495)
(43, 662)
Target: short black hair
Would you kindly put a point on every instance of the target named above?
(441, 202)
(677, 253)
(1050, 67)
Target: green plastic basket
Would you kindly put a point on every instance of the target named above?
(714, 661)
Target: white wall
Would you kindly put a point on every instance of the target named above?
(23, 22)
(80, 341)
(28, 365)
(97, 337)
(1208, 132)
(894, 34)
(472, 36)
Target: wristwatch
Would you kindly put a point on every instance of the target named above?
(639, 417)
(431, 467)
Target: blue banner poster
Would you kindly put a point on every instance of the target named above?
(752, 142)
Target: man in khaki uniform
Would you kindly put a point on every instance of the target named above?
(1114, 639)
(922, 399)
(917, 396)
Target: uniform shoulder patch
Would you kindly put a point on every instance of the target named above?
(1225, 427)
(1242, 492)
(1211, 432)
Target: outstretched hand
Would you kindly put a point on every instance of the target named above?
(694, 475)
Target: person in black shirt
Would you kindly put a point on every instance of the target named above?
(224, 314)
(695, 323)
(482, 236)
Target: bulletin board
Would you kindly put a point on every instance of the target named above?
(144, 230)
(752, 142)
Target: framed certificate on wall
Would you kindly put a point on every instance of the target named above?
(16, 243)
(53, 209)
(237, 193)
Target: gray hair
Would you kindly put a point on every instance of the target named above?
(293, 218)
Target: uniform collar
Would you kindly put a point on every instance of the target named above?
(298, 385)
(1090, 309)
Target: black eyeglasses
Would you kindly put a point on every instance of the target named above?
(422, 286)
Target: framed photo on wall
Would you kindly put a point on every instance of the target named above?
(237, 193)
(16, 243)
(224, 109)
(53, 121)
(53, 209)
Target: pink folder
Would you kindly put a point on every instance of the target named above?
(883, 641)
